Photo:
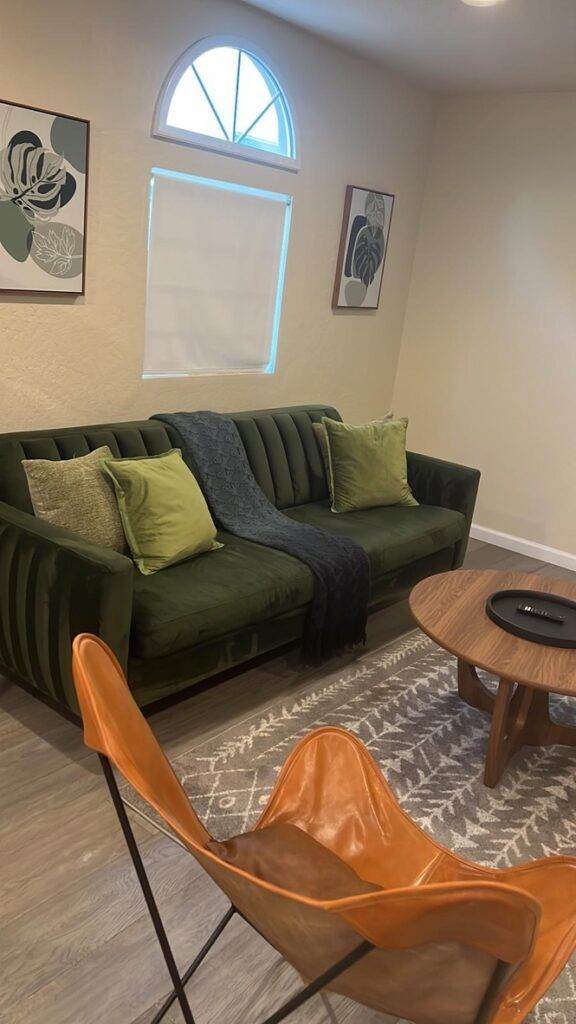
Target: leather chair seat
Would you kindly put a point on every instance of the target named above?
(284, 851)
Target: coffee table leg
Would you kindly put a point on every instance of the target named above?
(540, 730)
(497, 755)
(520, 717)
(508, 709)
(472, 690)
(510, 724)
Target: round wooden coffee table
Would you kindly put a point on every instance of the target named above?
(450, 608)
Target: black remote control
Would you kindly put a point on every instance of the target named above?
(539, 613)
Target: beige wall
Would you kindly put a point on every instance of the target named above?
(488, 365)
(69, 362)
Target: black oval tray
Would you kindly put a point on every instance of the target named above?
(502, 608)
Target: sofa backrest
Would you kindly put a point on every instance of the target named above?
(283, 452)
(146, 437)
(280, 445)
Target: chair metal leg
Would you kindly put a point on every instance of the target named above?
(195, 964)
(178, 992)
(315, 986)
(147, 891)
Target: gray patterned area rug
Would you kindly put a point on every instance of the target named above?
(402, 702)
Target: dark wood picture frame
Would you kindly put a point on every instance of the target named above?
(344, 242)
(63, 291)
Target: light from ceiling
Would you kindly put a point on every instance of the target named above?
(481, 3)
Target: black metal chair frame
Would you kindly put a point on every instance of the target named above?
(179, 981)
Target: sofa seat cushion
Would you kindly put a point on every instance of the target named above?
(393, 536)
(244, 584)
(214, 594)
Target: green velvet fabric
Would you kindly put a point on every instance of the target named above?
(391, 536)
(202, 617)
(221, 592)
(448, 485)
(54, 585)
(153, 679)
(283, 452)
(125, 440)
(163, 511)
(244, 584)
(367, 464)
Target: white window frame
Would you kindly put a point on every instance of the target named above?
(161, 130)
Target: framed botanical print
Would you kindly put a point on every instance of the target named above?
(363, 244)
(43, 185)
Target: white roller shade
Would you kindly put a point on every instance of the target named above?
(216, 258)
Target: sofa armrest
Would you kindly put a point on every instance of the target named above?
(447, 485)
(54, 585)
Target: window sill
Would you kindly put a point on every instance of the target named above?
(234, 149)
(178, 374)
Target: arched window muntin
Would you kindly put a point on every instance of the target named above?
(243, 146)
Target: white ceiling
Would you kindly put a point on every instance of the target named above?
(517, 45)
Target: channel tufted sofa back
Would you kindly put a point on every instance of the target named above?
(280, 445)
(146, 437)
(283, 452)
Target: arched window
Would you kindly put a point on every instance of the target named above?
(220, 95)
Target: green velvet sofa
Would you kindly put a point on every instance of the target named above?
(202, 617)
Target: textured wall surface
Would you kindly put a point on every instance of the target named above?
(67, 362)
(488, 365)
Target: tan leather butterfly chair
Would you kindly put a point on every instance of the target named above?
(342, 883)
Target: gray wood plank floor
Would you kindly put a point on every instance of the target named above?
(76, 944)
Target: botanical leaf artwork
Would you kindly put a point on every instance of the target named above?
(363, 248)
(42, 199)
(15, 232)
(58, 249)
(33, 178)
(375, 210)
(368, 253)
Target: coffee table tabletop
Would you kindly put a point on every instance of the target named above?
(451, 609)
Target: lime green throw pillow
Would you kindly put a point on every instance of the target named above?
(368, 464)
(163, 511)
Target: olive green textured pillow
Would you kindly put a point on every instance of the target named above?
(368, 464)
(319, 431)
(164, 513)
(76, 495)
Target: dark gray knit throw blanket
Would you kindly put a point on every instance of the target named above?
(213, 449)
